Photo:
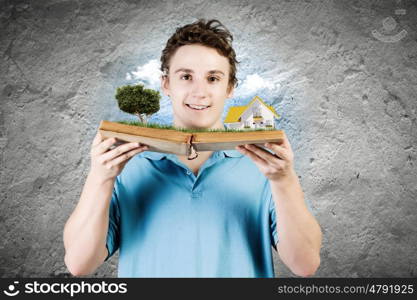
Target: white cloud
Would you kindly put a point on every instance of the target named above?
(271, 81)
(252, 84)
(148, 74)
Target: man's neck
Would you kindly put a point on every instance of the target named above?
(196, 163)
(218, 125)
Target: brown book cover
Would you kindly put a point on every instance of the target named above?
(187, 143)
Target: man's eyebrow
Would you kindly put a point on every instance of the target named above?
(216, 71)
(184, 70)
(191, 71)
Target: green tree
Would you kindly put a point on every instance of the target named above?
(138, 101)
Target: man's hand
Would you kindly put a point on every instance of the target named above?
(299, 233)
(107, 163)
(276, 166)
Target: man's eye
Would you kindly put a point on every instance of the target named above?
(212, 78)
(186, 76)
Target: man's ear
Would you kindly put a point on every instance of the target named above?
(165, 85)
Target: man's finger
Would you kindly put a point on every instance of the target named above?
(279, 150)
(286, 142)
(104, 145)
(250, 152)
(120, 150)
(262, 153)
(97, 139)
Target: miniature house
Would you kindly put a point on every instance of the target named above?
(256, 114)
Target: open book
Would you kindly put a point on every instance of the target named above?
(187, 143)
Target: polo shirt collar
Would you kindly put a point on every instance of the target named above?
(231, 153)
(158, 156)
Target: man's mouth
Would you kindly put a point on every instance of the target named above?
(197, 107)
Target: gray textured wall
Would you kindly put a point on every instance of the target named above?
(348, 99)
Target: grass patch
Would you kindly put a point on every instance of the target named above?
(170, 127)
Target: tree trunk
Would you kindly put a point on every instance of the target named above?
(140, 117)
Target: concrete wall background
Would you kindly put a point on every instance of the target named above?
(348, 99)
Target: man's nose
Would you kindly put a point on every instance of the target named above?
(199, 88)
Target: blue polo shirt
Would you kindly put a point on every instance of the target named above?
(168, 222)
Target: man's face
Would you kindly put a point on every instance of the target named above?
(199, 78)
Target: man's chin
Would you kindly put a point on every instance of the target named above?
(202, 123)
(198, 125)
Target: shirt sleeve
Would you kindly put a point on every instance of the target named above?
(113, 233)
(273, 223)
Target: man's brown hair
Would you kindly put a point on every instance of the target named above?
(209, 33)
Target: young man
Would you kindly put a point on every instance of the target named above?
(214, 216)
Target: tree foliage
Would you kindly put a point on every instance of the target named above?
(136, 100)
